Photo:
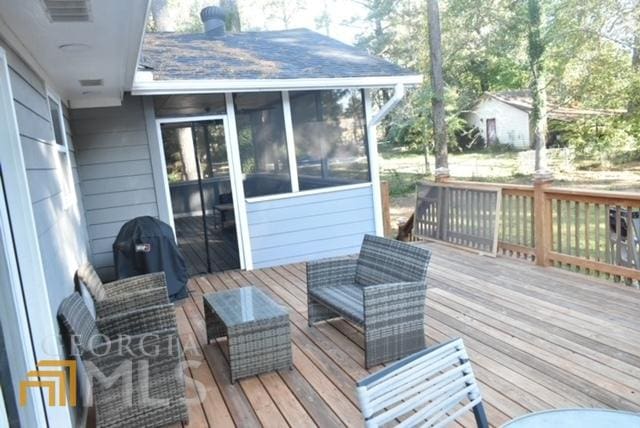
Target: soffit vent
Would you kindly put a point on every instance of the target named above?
(91, 82)
(67, 10)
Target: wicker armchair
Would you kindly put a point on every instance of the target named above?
(147, 340)
(383, 291)
(123, 295)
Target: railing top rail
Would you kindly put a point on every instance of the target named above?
(479, 185)
(619, 198)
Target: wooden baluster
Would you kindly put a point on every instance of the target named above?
(559, 226)
(511, 220)
(607, 234)
(596, 218)
(533, 224)
(518, 221)
(618, 260)
(576, 229)
(631, 253)
(586, 233)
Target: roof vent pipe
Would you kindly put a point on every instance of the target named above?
(213, 18)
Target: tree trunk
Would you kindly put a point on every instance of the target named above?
(187, 153)
(633, 105)
(538, 89)
(162, 17)
(233, 15)
(437, 86)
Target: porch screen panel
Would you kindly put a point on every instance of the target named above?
(329, 137)
(263, 148)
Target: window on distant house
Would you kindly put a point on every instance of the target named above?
(62, 161)
(263, 148)
(329, 137)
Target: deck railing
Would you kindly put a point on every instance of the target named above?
(594, 232)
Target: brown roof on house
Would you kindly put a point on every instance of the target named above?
(521, 99)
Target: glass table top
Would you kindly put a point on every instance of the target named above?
(243, 305)
(576, 418)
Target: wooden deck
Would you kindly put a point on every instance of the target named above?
(222, 245)
(538, 339)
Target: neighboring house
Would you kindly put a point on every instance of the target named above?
(505, 117)
(96, 126)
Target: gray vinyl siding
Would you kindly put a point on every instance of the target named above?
(309, 227)
(60, 228)
(115, 173)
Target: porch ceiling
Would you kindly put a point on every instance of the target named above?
(105, 47)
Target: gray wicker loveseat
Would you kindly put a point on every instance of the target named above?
(134, 359)
(383, 291)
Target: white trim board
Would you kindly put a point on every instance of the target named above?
(36, 298)
(143, 86)
(289, 195)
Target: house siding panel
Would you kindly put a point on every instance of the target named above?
(115, 173)
(61, 231)
(309, 227)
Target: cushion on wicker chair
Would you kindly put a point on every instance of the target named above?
(89, 277)
(347, 299)
(79, 323)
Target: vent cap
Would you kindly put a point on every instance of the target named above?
(91, 82)
(67, 10)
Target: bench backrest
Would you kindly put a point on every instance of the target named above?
(385, 261)
(429, 388)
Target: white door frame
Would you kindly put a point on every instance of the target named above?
(31, 301)
(235, 177)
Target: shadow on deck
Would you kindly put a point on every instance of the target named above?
(538, 338)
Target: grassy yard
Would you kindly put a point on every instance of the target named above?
(403, 169)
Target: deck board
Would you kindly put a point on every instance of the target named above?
(538, 338)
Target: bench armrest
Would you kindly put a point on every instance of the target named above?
(333, 271)
(396, 301)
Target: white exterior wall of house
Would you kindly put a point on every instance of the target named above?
(116, 176)
(45, 211)
(512, 124)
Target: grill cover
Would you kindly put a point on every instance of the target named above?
(146, 245)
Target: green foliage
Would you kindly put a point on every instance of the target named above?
(605, 138)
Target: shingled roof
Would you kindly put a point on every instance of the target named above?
(522, 100)
(288, 54)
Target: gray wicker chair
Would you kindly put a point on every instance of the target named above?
(123, 295)
(431, 388)
(145, 338)
(383, 291)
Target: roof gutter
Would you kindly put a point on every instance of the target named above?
(145, 85)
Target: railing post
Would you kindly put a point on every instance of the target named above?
(543, 220)
(386, 210)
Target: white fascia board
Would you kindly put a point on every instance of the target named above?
(142, 85)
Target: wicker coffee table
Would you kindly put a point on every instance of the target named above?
(257, 330)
